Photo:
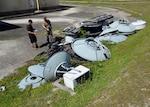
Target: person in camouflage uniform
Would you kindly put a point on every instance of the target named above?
(48, 28)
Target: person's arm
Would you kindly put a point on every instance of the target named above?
(34, 33)
(29, 30)
(43, 25)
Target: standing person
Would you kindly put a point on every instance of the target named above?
(48, 28)
(32, 34)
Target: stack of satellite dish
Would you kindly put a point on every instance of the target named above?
(90, 48)
(119, 30)
(94, 26)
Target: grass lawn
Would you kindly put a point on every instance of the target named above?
(121, 81)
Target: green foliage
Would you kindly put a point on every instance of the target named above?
(82, 33)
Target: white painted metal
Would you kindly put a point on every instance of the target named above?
(70, 78)
(139, 24)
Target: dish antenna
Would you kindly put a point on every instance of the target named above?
(55, 67)
(90, 49)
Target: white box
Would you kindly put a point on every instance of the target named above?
(72, 77)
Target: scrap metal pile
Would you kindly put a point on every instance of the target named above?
(90, 47)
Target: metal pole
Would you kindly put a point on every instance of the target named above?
(38, 6)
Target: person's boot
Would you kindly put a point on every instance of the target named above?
(36, 45)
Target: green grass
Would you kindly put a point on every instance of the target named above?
(121, 81)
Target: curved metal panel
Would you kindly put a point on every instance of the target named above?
(37, 69)
(90, 49)
(53, 63)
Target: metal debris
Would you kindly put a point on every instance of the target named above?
(2, 88)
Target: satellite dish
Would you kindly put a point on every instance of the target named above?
(139, 24)
(123, 26)
(90, 49)
(56, 66)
